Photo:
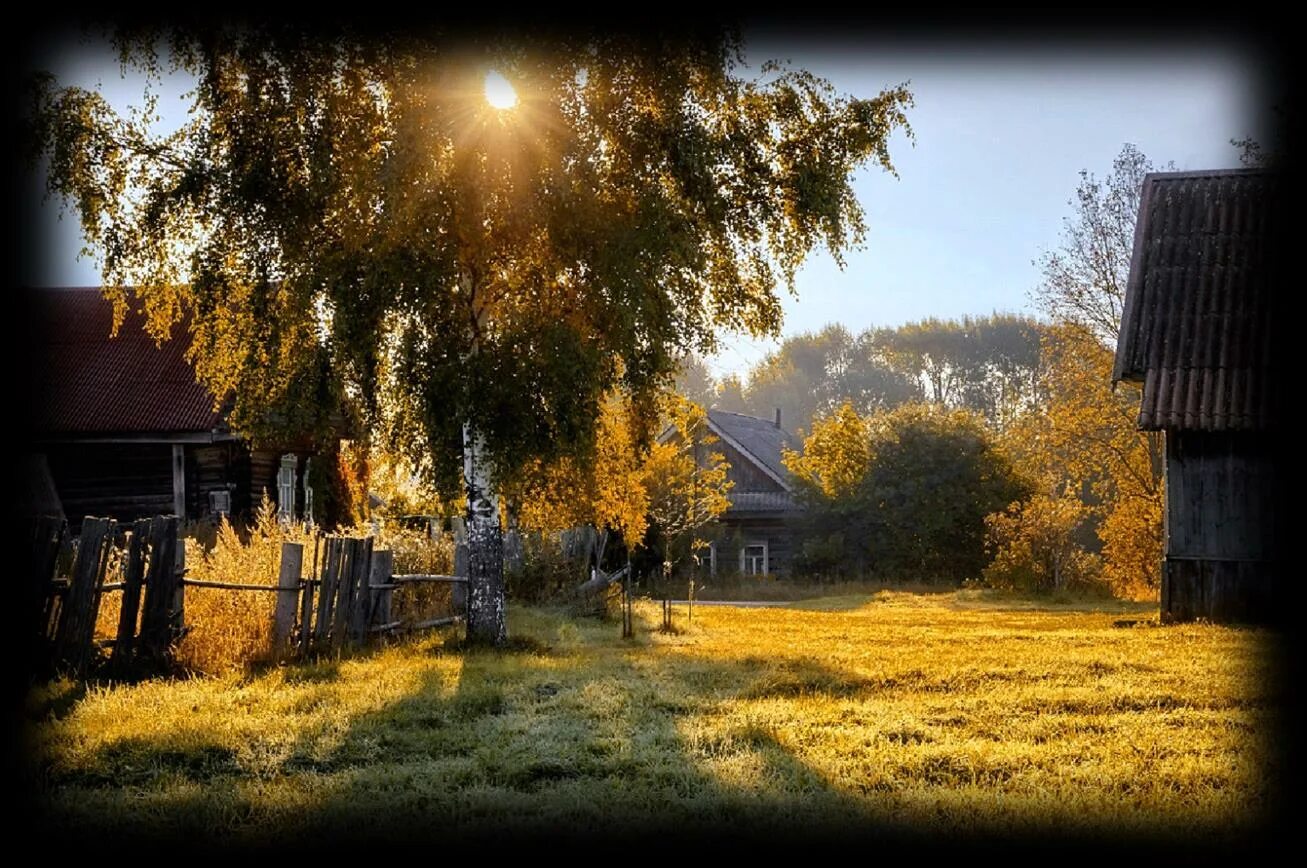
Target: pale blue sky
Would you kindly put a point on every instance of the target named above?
(1000, 138)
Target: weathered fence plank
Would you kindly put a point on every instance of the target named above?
(288, 583)
(162, 584)
(81, 603)
(47, 538)
(381, 588)
(133, 578)
(340, 620)
(361, 602)
(331, 556)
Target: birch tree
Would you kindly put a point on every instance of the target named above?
(472, 241)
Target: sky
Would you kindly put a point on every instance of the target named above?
(1001, 135)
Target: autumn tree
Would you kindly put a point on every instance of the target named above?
(917, 512)
(686, 481)
(1084, 438)
(1084, 278)
(988, 364)
(607, 491)
(345, 217)
(1087, 435)
(813, 373)
(1035, 547)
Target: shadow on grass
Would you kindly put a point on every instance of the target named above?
(540, 740)
(523, 741)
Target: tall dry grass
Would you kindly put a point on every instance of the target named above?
(227, 629)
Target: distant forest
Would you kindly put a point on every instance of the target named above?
(988, 364)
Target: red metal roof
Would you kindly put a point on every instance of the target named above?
(90, 383)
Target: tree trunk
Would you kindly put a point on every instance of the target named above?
(485, 545)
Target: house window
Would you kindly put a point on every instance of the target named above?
(286, 488)
(753, 559)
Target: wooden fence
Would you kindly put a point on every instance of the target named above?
(345, 600)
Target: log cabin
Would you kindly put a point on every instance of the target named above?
(1197, 335)
(756, 533)
(121, 428)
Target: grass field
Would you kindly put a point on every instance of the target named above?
(960, 712)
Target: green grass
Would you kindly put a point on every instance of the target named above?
(961, 712)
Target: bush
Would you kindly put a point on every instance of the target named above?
(1035, 548)
(546, 571)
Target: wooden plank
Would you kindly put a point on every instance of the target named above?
(331, 557)
(76, 628)
(340, 620)
(161, 584)
(437, 622)
(233, 586)
(178, 479)
(458, 597)
(417, 578)
(380, 588)
(288, 582)
(133, 579)
(306, 617)
(361, 597)
(47, 537)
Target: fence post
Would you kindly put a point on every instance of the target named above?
(133, 577)
(76, 628)
(162, 588)
(361, 595)
(340, 621)
(331, 556)
(288, 580)
(383, 568)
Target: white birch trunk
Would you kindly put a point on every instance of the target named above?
(485, 544)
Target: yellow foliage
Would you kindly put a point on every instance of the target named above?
(835, 455)
(687, 482)
(1035, 548)
(609, 491)
(1085, 438)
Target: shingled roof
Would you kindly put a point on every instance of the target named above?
(762, 439)
(1196, 329)
(88, 383)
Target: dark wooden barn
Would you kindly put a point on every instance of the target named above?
(1196, 333)
(755, 536)
(122, 429)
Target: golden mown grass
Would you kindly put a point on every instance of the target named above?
(954, 713)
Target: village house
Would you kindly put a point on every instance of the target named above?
(755, 536)
(122, 429)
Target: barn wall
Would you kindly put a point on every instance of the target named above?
(1218, 491)
(125, 481)
(1219, 526)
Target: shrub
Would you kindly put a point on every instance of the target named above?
(1035, 548)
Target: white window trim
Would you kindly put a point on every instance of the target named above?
(766, 561)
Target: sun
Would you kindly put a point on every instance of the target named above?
(499, 93)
